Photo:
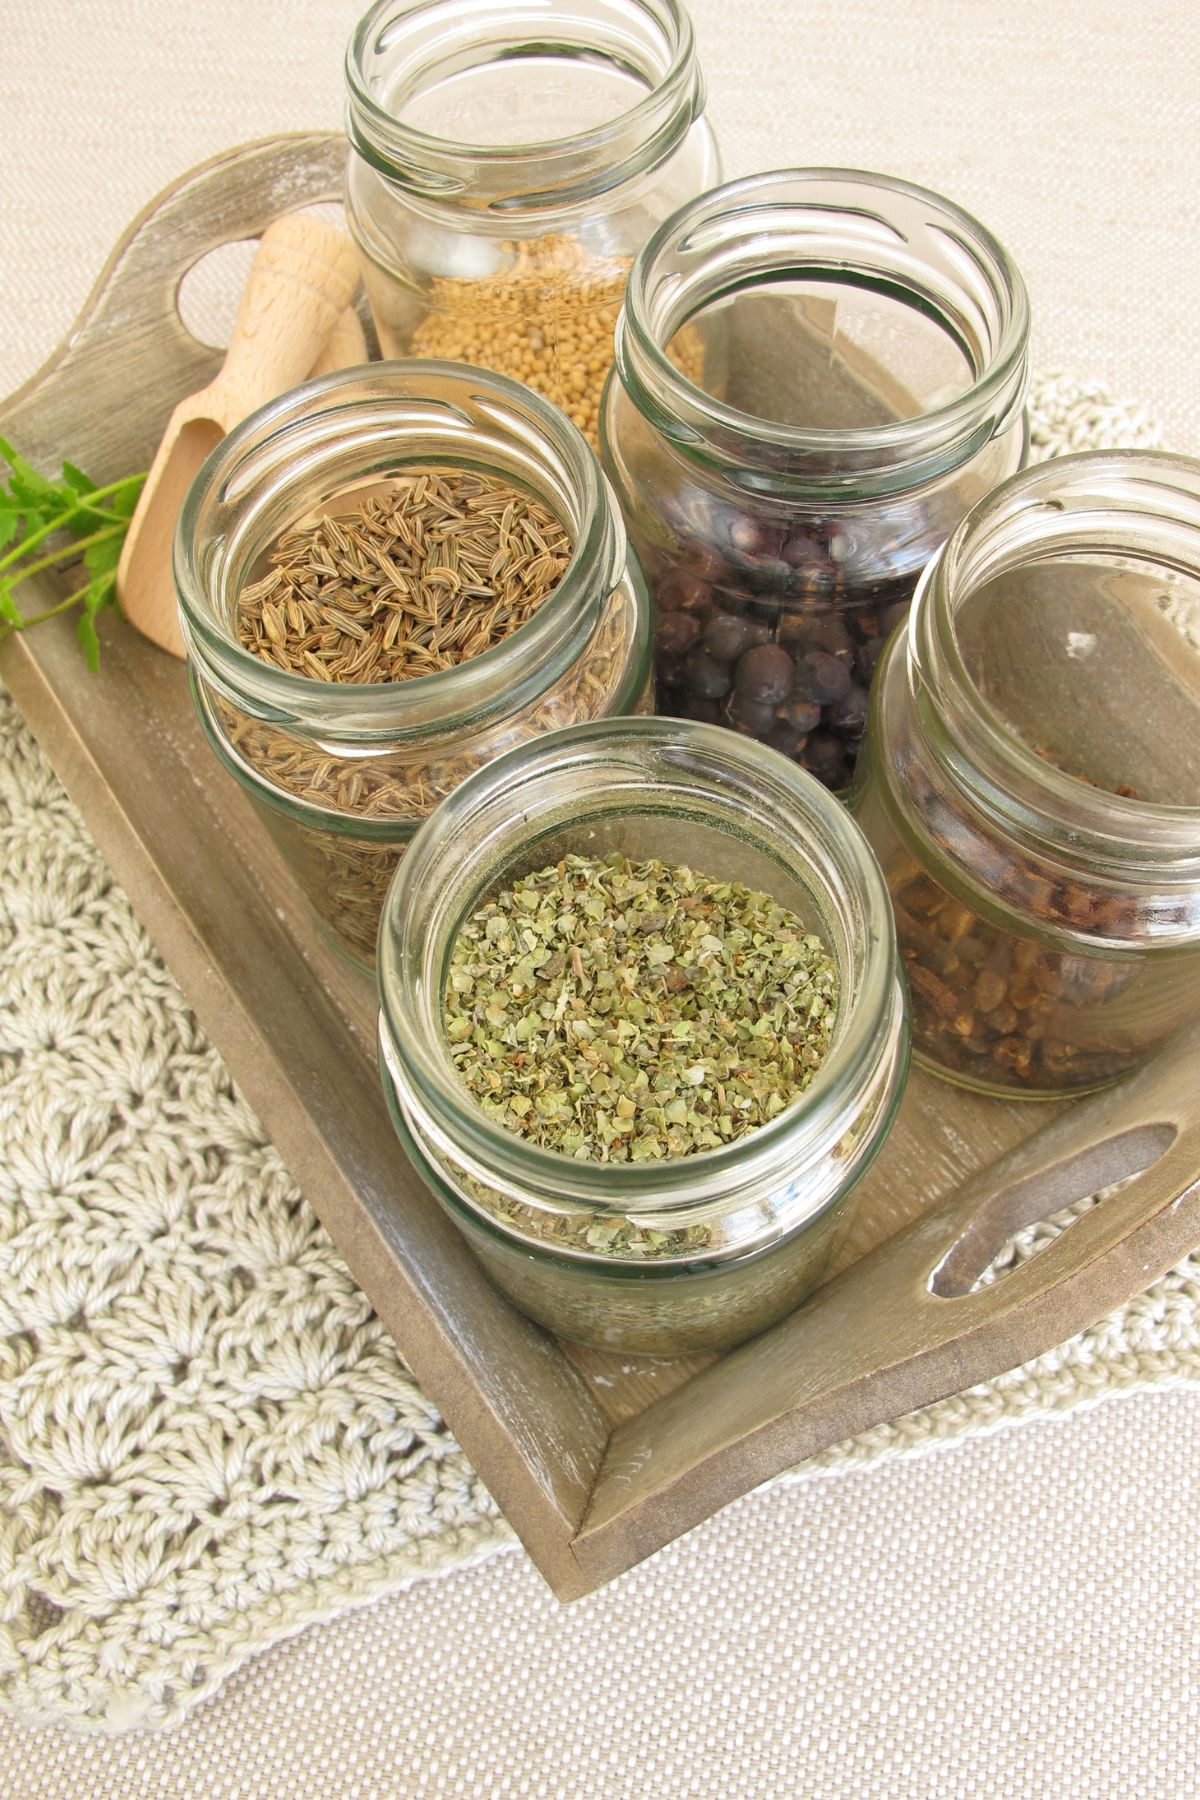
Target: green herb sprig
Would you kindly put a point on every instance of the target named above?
(37, 513)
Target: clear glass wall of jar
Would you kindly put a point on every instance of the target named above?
(507, 161)
(343, 773)
(1032, 777)
(721, 1243)
(818, 372)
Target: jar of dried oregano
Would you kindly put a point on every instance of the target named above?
(386, 578)
(1032, 777)
(642, 1028)
(507, 161)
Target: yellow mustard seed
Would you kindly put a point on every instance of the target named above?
(546, 319)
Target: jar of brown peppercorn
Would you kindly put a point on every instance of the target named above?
(858, 348)
(508, 159)
(1031, 783)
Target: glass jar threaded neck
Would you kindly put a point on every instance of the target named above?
(829, 235)
(511, 108)
(686, 793)
(1047, 615)
(319, 446)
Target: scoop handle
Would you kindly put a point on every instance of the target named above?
(303, 276)
(345, 347)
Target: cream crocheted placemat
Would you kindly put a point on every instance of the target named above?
(207, 1441)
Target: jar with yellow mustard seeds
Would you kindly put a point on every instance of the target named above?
(507, 162)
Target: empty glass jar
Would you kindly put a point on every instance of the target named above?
(1031, 783)
(342, 773)
(507, 161)
(818, 372)
(662, 1257)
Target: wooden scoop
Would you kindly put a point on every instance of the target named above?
(303, 277)
(345, 347)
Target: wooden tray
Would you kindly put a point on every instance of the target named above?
(597, 1461)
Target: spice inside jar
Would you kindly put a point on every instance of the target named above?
(441, 566)
(392, 576)
(633, 1011)
(1032, 785)
(855, 380)
(545, 318)
(644, 1043)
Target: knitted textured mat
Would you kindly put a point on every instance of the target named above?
(206, 1439)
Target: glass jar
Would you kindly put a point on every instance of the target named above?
(1032, 777)
(713, 1246)
(343, 773)
(507, 161)
(818, 372)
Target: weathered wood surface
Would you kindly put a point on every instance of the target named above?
(596, 1460)
(908, 1323)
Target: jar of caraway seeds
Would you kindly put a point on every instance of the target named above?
(852, 380)
(1031, 782)
(386, 578)
(507, 161)
(642, 1028)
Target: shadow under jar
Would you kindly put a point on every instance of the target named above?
(507, 161)
(342, 773)
(1031, 783)
(696, 1251)
(818, 372)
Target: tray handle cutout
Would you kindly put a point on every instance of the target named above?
(905, 1326)
(129, 355)
(1023, 1204)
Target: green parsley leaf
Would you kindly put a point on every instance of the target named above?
(99, 594)
(89, 643)
(124, 497)
(35, 493)
(50, 523)
(76, 479)
(102, 558)
(9, 613)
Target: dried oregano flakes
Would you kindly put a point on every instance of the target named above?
(624, 1011)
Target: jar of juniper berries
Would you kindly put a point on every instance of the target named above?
(818, 373)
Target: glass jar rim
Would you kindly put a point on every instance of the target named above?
(533, 654)
(376, 828)
(1054, 506)
(440, 166)
(912, 450)
(814, 1121)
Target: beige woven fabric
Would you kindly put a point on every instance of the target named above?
(1017, 1619)
(206, 1438)
(1010, 1621)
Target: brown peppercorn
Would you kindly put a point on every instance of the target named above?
(1041, 987)
(989, 990)
(925, 984)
